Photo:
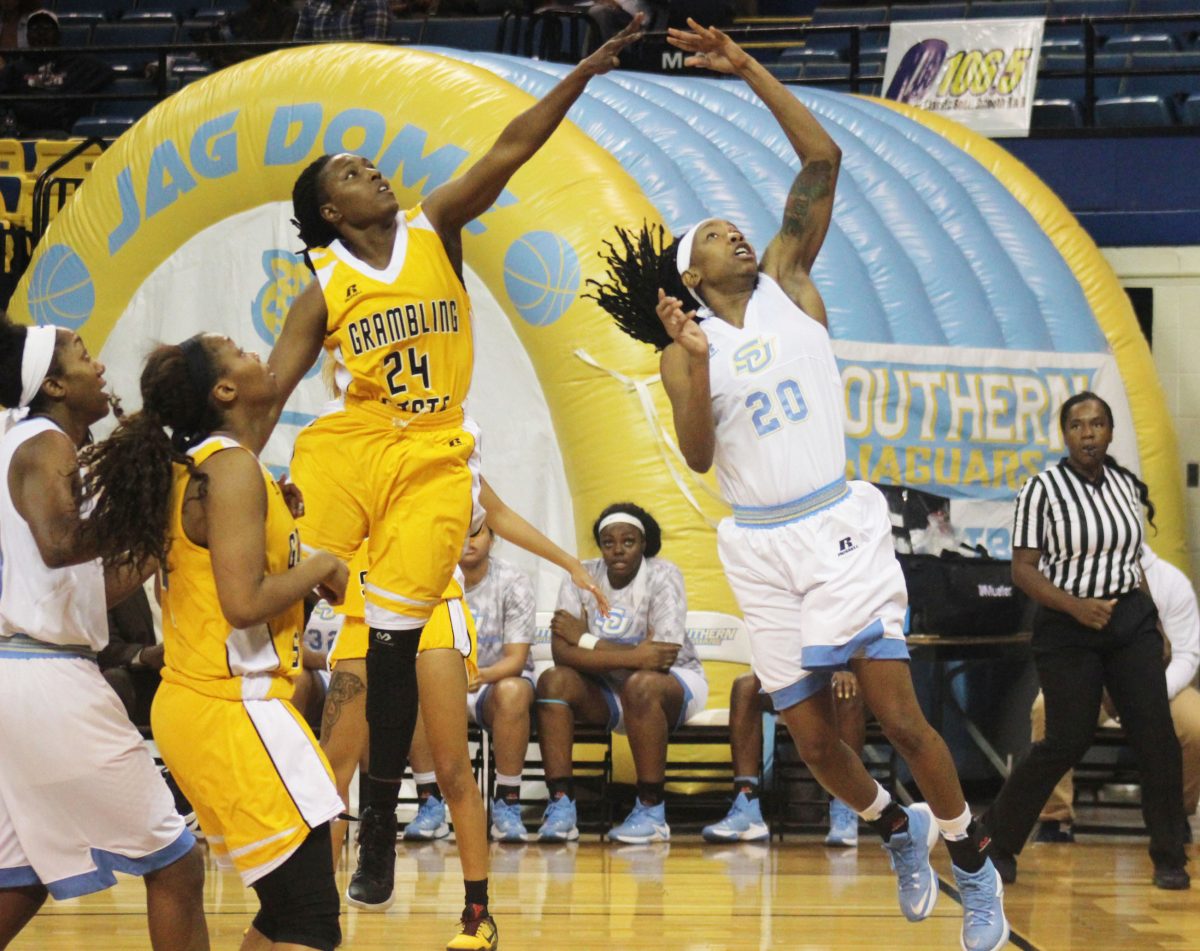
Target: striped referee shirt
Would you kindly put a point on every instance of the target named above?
(1089, 533)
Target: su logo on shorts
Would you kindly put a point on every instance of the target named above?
(755, 356)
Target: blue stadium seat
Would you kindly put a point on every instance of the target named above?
(405, 31)
(1070, 44)
(179, 9)
(873, 18)
(132, 34)
(100, 7)
(784, 71)
(1190, 111)
(107, 127)
(464, 33)
(75, 34)
(1141, 43)
(806, 54)
(815, 72)
(990, 9)
(1087, 8)
(1175, 86)
(1056, 114)
(929, 11)
(1059, 87)
(129, 108)
(79, 18)
(1124, 112)
(147, 16)
(863, 16)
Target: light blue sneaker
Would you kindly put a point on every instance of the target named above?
(843, 825)
(917, 885)
(744, 823)
(984, 926)
(558, 824)
(644, 824)
(506, 822)
(429, 822)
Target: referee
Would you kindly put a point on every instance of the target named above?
(1076, 548)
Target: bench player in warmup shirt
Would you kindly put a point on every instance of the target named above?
(755, 388)
(391, 469)
(80, 796)
(233, 586)
(634, 671)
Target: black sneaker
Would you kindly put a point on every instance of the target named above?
(1171, 879)
(1052, 830)
(372, 885)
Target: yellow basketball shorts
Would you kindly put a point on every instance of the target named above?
(450, 626)
(252, 771)
(403, 487)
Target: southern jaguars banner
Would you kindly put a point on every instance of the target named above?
(968, 424)
(978, 72)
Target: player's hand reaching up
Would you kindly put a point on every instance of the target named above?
(607, 57)
(680, 326)
(710, 48)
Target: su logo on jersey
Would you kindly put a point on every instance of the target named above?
(755, 356)
(616, 626)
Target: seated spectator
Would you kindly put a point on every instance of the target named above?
(54, 77)
(747, 704)
(634, 671)
(261, 21)
(134, 657)
(343, 20)
(1177, 609)
(501, 601)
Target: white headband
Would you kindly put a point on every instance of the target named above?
(36, 360)
(621, 518)
(683, 254)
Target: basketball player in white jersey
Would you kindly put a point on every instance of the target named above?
(755, 389)
(80, 796)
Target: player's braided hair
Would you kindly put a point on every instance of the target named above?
(129, 477)
(644, 262)
(653, 532)
(1143, 490)
(307, 198)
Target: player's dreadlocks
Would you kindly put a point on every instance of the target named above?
(636, 270)
(307, 198)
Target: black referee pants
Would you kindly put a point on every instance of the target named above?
(1075, 665)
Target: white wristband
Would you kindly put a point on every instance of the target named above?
(588, 641)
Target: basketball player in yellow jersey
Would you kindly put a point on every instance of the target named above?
(233, 583)
(390, 307)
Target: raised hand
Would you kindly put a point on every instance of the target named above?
(607, 57)
(680, 325)
(581, 579)
(710, 48)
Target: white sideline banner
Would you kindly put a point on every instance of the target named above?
(978, 72)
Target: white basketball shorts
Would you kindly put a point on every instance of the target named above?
(817, 591)
(80, 796)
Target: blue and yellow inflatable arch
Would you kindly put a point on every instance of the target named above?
(965, 301)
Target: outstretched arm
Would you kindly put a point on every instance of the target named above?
(299, 342)
(512, 527)
(809, 209)
(465, 198)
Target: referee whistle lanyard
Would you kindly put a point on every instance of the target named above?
(672, 458)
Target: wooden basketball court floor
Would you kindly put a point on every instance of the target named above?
(686, 894)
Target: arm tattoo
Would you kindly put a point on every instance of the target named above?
(343, 687)
(812, 184)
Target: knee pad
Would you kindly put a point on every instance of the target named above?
(300, 903)
(391, 699)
